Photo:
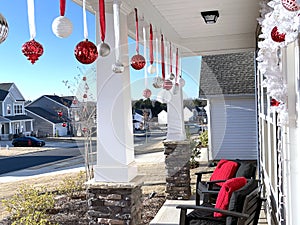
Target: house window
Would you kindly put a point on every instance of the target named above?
(18, 109)
(8, 109)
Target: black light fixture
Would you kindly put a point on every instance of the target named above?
(210, 17)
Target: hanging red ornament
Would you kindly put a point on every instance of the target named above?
(84, 78)
(86, 52)
(64, 124)
(3, 28)
(162, 58)
(60, 113)
(274, 102)
(276, 36)
(32, 50)
(167, 84)
(137, 61)
(84, 129)
(290, 5)
(84, 96)
(147, 93)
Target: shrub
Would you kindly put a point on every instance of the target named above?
(71, 186)
(29, 206)
(204, 138)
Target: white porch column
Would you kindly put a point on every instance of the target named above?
(115, 150)
(176, 129)
(294, 133)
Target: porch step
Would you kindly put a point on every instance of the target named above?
(168, 214)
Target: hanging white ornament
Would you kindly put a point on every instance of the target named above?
(118, 66)
(3, 28)
(62, 27)
(181, 82)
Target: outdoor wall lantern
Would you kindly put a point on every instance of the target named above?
(210, 17)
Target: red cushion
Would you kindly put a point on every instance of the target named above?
(225, 170)
(225, 193)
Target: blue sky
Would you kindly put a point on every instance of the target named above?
(58, 62)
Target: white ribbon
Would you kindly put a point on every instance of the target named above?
(157, 53)
(85, 30)
(145, 56)
(30, 8)
(116, 10)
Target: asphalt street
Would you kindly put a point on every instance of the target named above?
(66, 151)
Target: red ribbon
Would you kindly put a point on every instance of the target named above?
(136, 31)
(62, 7)
(176, 64)
(170, 57)
(151, 45)
(162, 57)
(102, 19)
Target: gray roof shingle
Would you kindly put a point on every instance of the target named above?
(228, 74)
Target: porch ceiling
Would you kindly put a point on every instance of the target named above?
(180, 21)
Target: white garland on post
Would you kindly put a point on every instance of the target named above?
(274, 14)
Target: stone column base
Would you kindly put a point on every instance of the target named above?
(114, 203)
(178, 181)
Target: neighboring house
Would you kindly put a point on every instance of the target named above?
(187, 114)
(13, 119)
(199, 115)
(53, 115)
(227, 81)
(163, 117)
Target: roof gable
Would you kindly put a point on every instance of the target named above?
(228, 74)
(12, 89)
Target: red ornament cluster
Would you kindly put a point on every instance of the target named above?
(138, 62)
(86, 52)
(290, 5)
(32, 50)
(274, 102)
(276, 36)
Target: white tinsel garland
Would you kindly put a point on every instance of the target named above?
(273, 14)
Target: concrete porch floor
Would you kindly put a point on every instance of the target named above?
(169, 215)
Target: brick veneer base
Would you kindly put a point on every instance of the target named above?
(114, 203)
(177, 161)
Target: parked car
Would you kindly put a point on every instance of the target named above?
(28, 141)
(195, 128)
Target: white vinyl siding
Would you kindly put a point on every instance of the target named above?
(233, 128)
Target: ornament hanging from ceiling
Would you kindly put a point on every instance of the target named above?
(176, 86)
(151, 67)
(171, 76)
(147, 92)
(168, 84)
(118, 66)
(64, 124)
(137, 61)
(62, 27)
(157, 81)
(103, 48)
(32, 49)
(290, 5)
(3, 28)
(85, 51)
(276, 36)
